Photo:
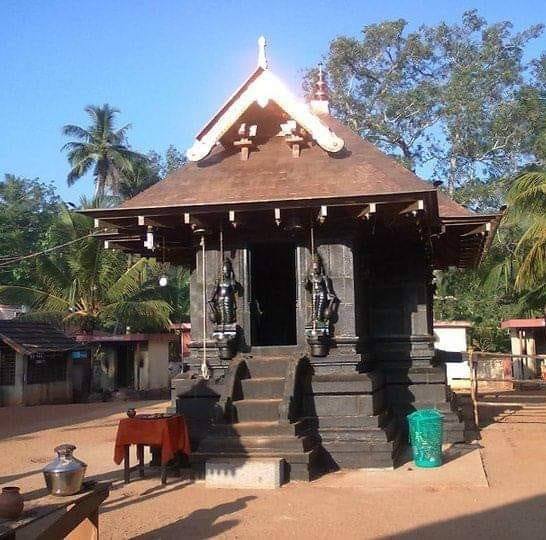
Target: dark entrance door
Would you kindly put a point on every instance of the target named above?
(125, 372)
(273, 294)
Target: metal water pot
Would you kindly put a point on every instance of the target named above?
(64, 475)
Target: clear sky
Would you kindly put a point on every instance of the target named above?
(169, 64)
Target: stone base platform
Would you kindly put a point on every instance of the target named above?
(261, 473)
(462, 467)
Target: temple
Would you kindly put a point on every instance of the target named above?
(312, 257)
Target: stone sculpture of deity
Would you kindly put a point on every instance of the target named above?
(222, 305)
(324, 300)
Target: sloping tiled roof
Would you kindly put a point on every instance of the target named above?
(29, 337)
(272, 174)
(524, 323)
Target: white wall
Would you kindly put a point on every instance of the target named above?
(452, 338)
(155, 371)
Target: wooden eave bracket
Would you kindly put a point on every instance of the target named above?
(367, 211)
(245, 143)
(480, 229)
(295, 137)
(413, 208)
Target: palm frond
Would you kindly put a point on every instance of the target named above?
(36, 299)
(149, 313)
(129, 283)
(71, 130)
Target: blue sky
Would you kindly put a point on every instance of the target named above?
(168, 65)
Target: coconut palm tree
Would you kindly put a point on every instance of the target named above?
(86, 287)
(527, 200)
(100, 147)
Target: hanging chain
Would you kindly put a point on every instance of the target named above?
(204, 365)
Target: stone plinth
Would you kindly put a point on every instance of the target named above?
(262, 473)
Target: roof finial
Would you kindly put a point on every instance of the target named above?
(321, 90)
(262, 60)
(319, 96)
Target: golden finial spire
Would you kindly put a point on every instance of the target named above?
(321, 90)
(262, 60)
(319, 95)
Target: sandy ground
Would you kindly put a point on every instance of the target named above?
(344, 505)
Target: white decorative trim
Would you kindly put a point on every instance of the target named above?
(264, 88)
(198, 151)
(262, 59)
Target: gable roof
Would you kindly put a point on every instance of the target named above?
(28, 337)
(261, 88)
(331, 165)
(271, 174)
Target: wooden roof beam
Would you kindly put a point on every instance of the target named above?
(480, 229)
(159, 222)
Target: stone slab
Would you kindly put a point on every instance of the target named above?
(235, 473)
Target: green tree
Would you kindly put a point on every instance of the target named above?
(102, 148)
(527, 198)
(147, 172)
(142, 176)
(451, 99)
(27, 209)
(87, 287)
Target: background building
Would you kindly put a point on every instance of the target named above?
(35, 364)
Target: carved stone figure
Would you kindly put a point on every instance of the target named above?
(222, 305)
(324, 300)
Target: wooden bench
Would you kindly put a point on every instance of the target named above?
(79, 521)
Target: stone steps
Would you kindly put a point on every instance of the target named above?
(252, 410)
(262, 387)
(267, 367)
(255, 444)
(267, 428)
(356, 421)
(350, 456)
(355, 434)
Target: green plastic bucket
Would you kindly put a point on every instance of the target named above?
(426, 429)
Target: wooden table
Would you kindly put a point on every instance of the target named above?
(167, 437)
(79, 522)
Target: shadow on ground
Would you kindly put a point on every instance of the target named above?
(508, 406)
(20, 420)
(201, 524)
(13, 477)
(524, 519)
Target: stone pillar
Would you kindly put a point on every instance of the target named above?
(400, 328)
(339, 259)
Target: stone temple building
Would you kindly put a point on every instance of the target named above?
(312, 257)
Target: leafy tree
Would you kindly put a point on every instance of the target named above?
(27, 209)
(149, 171)
(451, 99)
(460, 296)
(142, 176)
(102, 148)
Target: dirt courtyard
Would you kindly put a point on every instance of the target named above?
(343, 505)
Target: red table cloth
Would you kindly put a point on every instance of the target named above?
(169, 433)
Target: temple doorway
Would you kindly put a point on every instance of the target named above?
(273, 294)
(125, 366)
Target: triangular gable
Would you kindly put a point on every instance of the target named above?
(261, 87)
